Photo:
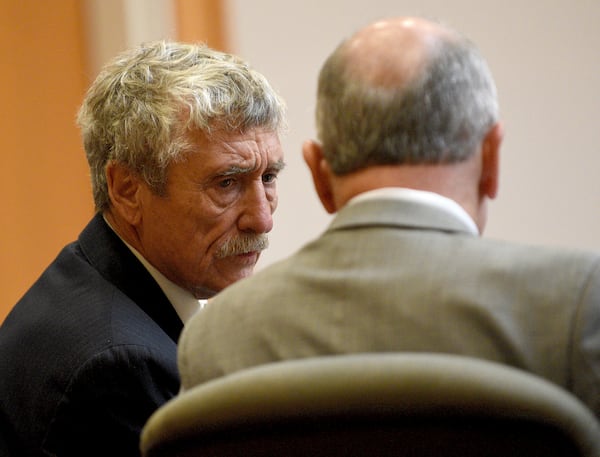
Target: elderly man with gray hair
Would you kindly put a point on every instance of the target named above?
(184, 153)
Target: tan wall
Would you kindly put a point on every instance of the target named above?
(46, 197)
(202, 20)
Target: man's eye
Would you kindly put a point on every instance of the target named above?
(269, 177)
(225, 183)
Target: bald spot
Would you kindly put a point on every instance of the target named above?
(391, 53)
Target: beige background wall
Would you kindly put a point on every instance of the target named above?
(545, 55)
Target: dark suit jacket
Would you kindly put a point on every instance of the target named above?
(393, 275)
(88, 353)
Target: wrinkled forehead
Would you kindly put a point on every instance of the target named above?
(251, 144)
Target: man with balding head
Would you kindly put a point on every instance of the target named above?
(407, 159)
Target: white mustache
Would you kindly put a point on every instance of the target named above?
(242, 245)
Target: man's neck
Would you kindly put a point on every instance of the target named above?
(457, 182)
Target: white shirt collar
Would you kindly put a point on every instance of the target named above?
(184, 303)
(420, 196)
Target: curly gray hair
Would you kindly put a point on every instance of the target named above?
(438, 118)
(142, 104)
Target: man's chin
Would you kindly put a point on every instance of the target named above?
(234, 268)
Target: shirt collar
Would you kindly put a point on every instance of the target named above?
(420, 196)
(184, 303)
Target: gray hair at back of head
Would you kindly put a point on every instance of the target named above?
(142, 104)
(440, 117)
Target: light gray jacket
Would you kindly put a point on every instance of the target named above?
(392, 275)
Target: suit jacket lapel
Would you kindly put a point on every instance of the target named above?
(117, 264)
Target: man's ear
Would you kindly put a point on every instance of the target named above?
(490, 162)
(321, 173)
(124, 188)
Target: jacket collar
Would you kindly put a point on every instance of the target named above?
(400, 214)
(118, 265)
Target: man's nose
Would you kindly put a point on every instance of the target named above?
(257, 214)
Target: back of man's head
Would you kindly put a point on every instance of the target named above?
(403, 91)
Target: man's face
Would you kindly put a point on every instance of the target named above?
(223, 191)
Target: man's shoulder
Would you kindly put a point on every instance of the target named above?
(552, 270)
(553, 254)
(73, 312)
